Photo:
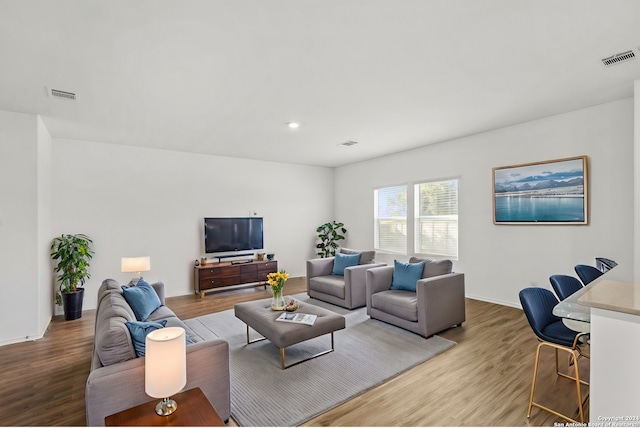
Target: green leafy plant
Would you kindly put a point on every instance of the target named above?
(72, 253)
(329, 234)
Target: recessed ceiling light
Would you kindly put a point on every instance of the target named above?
(293, 125)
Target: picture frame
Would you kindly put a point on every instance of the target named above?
(547, 192)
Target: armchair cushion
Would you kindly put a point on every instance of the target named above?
(332, 285)
(366, 257)
(400, 303)
(406, 275)
(343, 261)
(433, 267)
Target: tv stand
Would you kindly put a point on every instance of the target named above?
(225, 275)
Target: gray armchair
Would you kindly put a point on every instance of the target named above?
(346, 290)
(437, 304)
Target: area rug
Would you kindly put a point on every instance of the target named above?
(367, 353)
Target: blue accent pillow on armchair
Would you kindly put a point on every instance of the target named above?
(405, 275)
(142, 298)
(342, 261)
(139, 331)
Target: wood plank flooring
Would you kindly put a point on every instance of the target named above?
(483, 381)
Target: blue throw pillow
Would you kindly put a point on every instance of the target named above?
(139, 331)
(405, 275)
(343, 261)
(139, 281)
(142, 298)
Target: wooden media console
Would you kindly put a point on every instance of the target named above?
(217, 276)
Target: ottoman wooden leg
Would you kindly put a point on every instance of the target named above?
(282, 358)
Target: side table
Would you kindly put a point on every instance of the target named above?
(194, 409)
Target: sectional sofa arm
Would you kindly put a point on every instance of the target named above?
(121, 386)
(159, 287)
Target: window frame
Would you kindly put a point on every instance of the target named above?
(444, 251)
(412, 218)
(376, 220)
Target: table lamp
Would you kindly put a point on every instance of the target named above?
(165, 367)
(135, 264)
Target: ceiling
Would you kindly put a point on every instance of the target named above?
(225, 77)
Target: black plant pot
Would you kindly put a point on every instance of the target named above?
(72, 304)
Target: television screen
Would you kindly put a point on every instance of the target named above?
(232, 234)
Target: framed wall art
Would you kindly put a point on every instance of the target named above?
(549, 192)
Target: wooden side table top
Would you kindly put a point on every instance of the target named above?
(194, 409)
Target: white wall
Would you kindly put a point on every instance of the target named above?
(45, 277)
(498, 261)
(26, 295)
(636, 179)
(137, 201)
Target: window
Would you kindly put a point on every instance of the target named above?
(391, 219)
(436, 218)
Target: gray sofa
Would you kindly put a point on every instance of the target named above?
(116, 381)
(347, 291)
(437, 304)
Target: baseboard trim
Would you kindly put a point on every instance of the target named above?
(497, 302)
(20, 339)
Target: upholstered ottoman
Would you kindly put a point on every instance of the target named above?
(259, 316)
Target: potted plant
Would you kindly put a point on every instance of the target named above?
(72, 254)
(329, 234)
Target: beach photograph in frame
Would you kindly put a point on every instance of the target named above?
(549, 192)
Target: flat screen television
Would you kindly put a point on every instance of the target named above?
(222, 234)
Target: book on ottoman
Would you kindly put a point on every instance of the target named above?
(306, 319)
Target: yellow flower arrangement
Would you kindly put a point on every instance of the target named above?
(276, 280)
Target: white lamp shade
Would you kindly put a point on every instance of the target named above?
(165, 369)
(135, 264)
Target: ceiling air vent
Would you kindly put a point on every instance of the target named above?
(348, 143)
(618, 58)
(56, 93)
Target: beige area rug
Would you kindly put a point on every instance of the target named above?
(367, 353)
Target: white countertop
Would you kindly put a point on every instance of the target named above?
(619, 296)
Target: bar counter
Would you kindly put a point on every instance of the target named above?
(615, 329)
(618, 296)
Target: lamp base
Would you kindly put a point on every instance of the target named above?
(166, 407)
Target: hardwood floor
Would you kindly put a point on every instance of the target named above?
(483, 381)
